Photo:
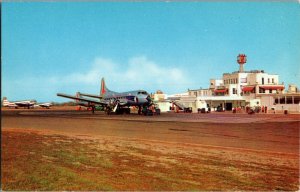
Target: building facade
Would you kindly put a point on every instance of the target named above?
(241, 89)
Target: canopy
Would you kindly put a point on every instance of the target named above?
(221, 90)
(249, 88)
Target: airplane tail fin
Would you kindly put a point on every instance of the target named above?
(77, 96)
(5, 102)
(103, 89)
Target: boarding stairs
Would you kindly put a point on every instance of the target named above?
(180, 105)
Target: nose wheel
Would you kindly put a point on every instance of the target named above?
(108, 110)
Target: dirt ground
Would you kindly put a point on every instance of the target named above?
(75, 150)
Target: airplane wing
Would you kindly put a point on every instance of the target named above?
(23, 103)
(10, 105)
(91, 101)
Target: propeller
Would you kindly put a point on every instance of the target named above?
(136, 99)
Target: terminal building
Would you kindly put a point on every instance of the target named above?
(237, 90)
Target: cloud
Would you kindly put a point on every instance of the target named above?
(99, 67)
(138, 73)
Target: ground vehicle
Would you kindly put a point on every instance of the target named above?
(203, 110)
(253, 110)
(220, 109)
(146, 111)
(187, 110)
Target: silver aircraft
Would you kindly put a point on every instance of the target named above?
(16, 104)
(24, 103)
(112, 101)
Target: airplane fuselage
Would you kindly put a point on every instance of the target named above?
(131, 98)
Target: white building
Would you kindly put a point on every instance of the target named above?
(241, 89)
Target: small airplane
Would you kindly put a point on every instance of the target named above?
(16, 104)
(44, 105)
(112, 101)
(26, 104)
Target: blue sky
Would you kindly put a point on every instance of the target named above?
(172, 46)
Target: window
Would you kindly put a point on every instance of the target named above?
(262, 81)
(261, 90)
(142, 92)
(282, 100)
(296, 99)
(268, 80)
(289, 100)
(270, 91)
(272, 80)
(234, 91)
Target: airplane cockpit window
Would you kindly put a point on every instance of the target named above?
(142, 92)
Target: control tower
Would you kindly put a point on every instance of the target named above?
(241, 59)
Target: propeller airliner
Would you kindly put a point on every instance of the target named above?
(25, 103)
(112, 101)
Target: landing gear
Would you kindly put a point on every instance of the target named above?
(108, 110)
(127, 110)
(118, 111)
(121, 111)
(140, 110)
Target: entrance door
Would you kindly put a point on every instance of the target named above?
(228, 106)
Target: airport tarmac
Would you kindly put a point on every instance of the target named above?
(253, 152)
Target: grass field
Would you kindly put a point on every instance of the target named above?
(34, 160)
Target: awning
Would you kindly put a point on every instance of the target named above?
(250, 88)
(221, 90)
(272, 87)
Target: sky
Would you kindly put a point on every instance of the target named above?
(65, 47)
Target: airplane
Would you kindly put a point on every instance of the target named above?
(16, 104)
(44, 105)
(113, 101)
(26, 104)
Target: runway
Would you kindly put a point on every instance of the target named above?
(265, 141)
(278, 133)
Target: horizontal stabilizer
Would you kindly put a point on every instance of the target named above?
(90, 95)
